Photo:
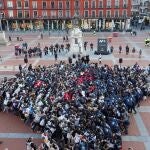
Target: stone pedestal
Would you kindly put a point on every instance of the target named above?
(3, 40)
(76, 41)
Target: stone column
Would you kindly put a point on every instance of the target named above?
(52, 25)
(0, 25)
(48, 24)
(23, 25)
(121, 24)
(96, 24)
(57, 24)
(31, 25)
(89, 23)
(7, 25)
(82, 23)
(112, 24)
(99, 24)
(17, 25)
(124, 26)
(104, 23)
(63, 25)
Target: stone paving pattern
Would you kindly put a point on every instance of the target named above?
(13, 132)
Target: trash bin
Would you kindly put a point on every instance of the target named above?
(109, 39)
(115, 34)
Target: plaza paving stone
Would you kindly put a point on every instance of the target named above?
(12, 124)
(15, 144)
(133, 128)
(146, 119)
(134, 145)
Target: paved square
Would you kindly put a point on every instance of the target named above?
(139, 129)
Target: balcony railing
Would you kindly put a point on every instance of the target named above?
(108, 6)
(100, 6)
(125, 6)
(116, 6)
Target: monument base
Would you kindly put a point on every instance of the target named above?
(76, 41)
(3, 40)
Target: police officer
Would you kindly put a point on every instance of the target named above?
(127, 50)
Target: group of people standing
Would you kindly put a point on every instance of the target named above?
(77, 105)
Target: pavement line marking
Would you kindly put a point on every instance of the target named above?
(35, 62)
(19, 135)
(136, 138)
(147, 145)
(140, 124)
(144, 109)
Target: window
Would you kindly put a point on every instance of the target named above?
(9, 4)
(26, 14)
(60, 13)
(108, 3)
(10, 13)
(76, 4)
(68, 13)
(93, 13)
(93, 4)
(86, 4)
(44, 13)
(35, 14)
(76, 12)
(108, 14)
(52, 4)
(67, 4)
(19, 14)
(60, 5)
(100, 4)
(116, 3)
(19, 4)
(1, 4)
(26, 4)
(125, 3)
(44, 5)
(124, 13)
(34, 4)
(116, 13)
(100, 14)
(86, 13)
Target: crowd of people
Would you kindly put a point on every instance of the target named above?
(75, 106)
(29, 52)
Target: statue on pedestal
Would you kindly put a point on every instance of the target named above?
(76, 37)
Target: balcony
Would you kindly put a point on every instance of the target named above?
(116, 6)
(10, 7)
(144, 7)
(135, 4)
(100, 6)
(108, 16)
(108, 6)
(116, 16)
(44, 7)
(124, 16)
(125, 6)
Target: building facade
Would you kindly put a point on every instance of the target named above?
(58, 14)
(140, 8)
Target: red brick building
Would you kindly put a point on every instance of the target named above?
(58, 14)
